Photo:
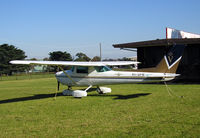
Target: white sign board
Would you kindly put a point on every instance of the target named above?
(173, 33)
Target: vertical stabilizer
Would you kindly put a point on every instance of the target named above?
(170, 62)
(174, 55)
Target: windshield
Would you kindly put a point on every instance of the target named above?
(102, 68)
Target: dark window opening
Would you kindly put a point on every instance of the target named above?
(81, 69)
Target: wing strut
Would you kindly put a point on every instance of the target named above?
(67, 75)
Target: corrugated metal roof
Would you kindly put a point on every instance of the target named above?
(158, 42)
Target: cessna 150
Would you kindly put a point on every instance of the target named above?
(98, 73)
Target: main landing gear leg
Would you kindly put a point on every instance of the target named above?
(88, 88)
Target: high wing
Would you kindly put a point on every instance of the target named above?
(73, 63)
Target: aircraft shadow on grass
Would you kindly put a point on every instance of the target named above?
(121, 97)
(118, 96)
(34, 97)
(43, 96)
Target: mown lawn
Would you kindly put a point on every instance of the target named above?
(28, 109)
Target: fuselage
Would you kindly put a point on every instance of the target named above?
(102, 75)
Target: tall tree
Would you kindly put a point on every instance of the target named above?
(82, 57)
(8, 53)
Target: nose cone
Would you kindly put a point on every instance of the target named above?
(62, 77)
(59, 73)
(59, 76)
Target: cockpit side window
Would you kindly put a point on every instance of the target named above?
(80, 69)
(102, 68)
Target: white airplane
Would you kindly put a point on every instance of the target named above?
(98, 73)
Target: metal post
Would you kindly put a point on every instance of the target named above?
(100, 50)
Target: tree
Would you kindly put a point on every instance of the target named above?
(35, 59)
(45, 59)
(60, 56)
(96, 58)
(8, 53)
(82, 57)
(124, 59)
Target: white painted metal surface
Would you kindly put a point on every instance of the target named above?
(72, 63)
(112, 77)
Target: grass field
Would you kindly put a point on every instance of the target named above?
(28, 109)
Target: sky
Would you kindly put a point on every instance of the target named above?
(42, 26)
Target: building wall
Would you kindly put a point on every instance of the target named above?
(150, 56)
(190, 64)
(189, 67)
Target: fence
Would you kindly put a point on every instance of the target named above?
(24, 76)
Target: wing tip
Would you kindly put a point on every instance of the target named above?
(19, 62)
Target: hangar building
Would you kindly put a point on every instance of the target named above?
(149, 53)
